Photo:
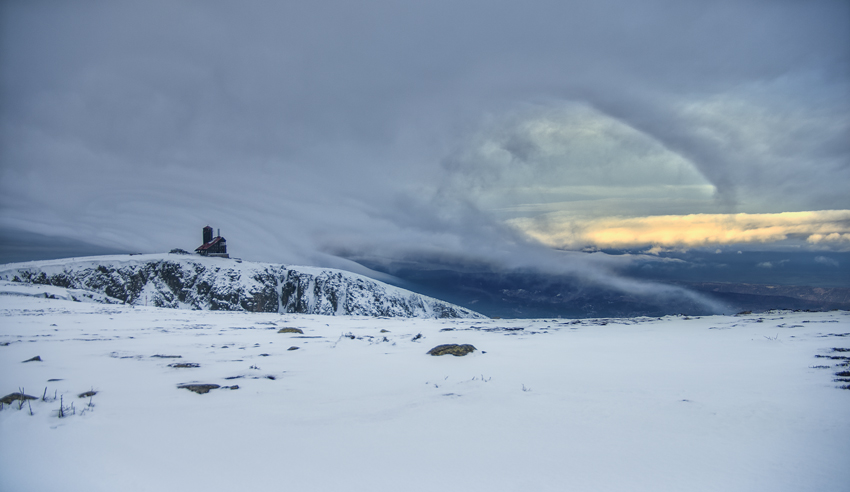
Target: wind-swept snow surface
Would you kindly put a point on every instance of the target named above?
(219, 284)
(716, 403)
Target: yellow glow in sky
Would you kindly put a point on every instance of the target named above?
(829, 228)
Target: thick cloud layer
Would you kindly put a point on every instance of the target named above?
(314, 132)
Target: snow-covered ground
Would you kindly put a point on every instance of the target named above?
(715, 403)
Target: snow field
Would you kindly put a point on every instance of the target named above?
(715, 403)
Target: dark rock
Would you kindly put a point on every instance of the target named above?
(184, 365)
(8, 399)
(385, 331)
(199, 388)
(290, 330)
(87, 394)
(292, 348)
(160, 356)
(452, 349)
(37, 358)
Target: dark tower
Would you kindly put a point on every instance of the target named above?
(207, 234)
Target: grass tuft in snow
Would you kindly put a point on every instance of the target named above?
(65, 411)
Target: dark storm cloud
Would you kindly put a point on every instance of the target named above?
(308, 131)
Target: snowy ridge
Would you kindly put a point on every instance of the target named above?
(218, 284)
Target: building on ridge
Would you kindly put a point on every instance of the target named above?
(213, 246)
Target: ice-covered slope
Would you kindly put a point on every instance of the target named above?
(218, 284)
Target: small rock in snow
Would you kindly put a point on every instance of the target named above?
(290, 330)
(199, 388)
(453, 349)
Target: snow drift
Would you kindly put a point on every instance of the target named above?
(217, 284)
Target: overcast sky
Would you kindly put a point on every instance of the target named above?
(448, 131)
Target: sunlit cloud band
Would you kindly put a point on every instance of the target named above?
(823, 229)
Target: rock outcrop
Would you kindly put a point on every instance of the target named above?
(218, 284)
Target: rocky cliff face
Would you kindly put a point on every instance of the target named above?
(192, 282)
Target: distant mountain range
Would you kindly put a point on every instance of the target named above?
(758, 297)
(193, 282)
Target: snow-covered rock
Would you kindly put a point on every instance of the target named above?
(218, 284)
